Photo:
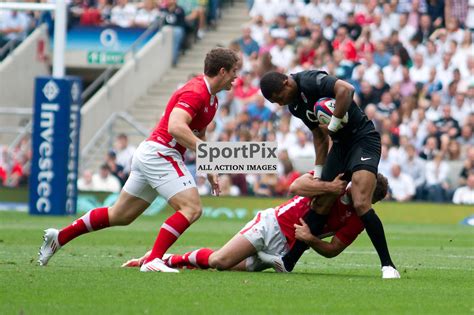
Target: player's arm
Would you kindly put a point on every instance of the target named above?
(344, 94)
(212, 178)
(326, 249)
(321, 146)
(178, 128)
(307, 186)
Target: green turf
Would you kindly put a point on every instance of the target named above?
(433, 252)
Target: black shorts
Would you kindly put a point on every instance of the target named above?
(348, 158)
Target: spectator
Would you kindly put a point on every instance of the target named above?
(393, 73)
(402, 186)
(258, 110)
(289, 175)
(419, 73)
(430, 149)
(114, 168)
(174, 16)
(282, 54)
(247, 44)
(468, 166)
(381, 56)
(124, 152)
(265, 185)
(465, 194)
(447, 124)
(414, 167)
(202, 185)
(436, 179)
(303, 148)
(85, 183)
(123, 14)
(105, 181)
(14, 26)
(226, 187)
(344, 43)
(147, 14)
(385, 107)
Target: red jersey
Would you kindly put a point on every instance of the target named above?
(343, 221)
(195, 98)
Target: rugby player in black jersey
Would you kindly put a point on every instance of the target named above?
(355, 151)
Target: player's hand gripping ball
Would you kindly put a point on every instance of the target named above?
(324, 108)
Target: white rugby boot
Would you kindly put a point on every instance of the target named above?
(273, 260)
(388, 272)
(49, 247)
(157, 265)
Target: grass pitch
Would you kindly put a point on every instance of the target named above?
(434, 255)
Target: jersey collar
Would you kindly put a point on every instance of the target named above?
(207, 85)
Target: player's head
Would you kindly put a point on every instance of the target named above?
(220, 58)
(278, 88)
(380, 189)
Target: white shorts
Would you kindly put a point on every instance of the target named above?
(157, 169)
(265, 235)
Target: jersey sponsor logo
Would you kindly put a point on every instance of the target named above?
(319, 77)
(311, 116)
(183, 104)
(304, 98)
(365, 159)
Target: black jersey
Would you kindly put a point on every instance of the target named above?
(313, 85)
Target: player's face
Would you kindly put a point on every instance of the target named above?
(229, 77)
(285, 96)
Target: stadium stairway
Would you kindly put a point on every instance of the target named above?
(148, 109)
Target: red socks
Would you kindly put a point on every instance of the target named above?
(170, 231)
(195, 259)
(93, 220)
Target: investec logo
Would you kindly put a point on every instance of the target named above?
(45, 162)
(73, 148)
(236, 157)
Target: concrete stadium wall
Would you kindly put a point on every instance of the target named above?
(19, 69)
(128, 84)
(17, 78)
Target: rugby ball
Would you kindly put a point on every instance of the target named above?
(324, 108)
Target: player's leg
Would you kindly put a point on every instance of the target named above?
(231, 254)
(127, 208)
(363, 185)
(317, 218)
(364, 159)
(187, 204)
(134, 198)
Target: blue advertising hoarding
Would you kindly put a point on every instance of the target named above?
(54, 165)
(100, 38)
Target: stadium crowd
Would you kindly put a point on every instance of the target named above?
(411, 63)
(188, 18)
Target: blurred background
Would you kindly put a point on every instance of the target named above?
(411, 63)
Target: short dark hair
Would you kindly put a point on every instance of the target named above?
(380, 189)
(219, 58)
(271, 83)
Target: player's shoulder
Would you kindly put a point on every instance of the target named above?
(196, 84)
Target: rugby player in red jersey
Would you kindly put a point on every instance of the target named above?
(265, 239)
(158, 167)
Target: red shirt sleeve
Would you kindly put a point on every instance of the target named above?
(349, 232)
(190, 102)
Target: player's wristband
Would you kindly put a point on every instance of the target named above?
(318, 170)
(335, 124)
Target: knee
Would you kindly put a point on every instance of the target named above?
(362, 205)
(219, 262)
(116, 218)
(192, 212)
